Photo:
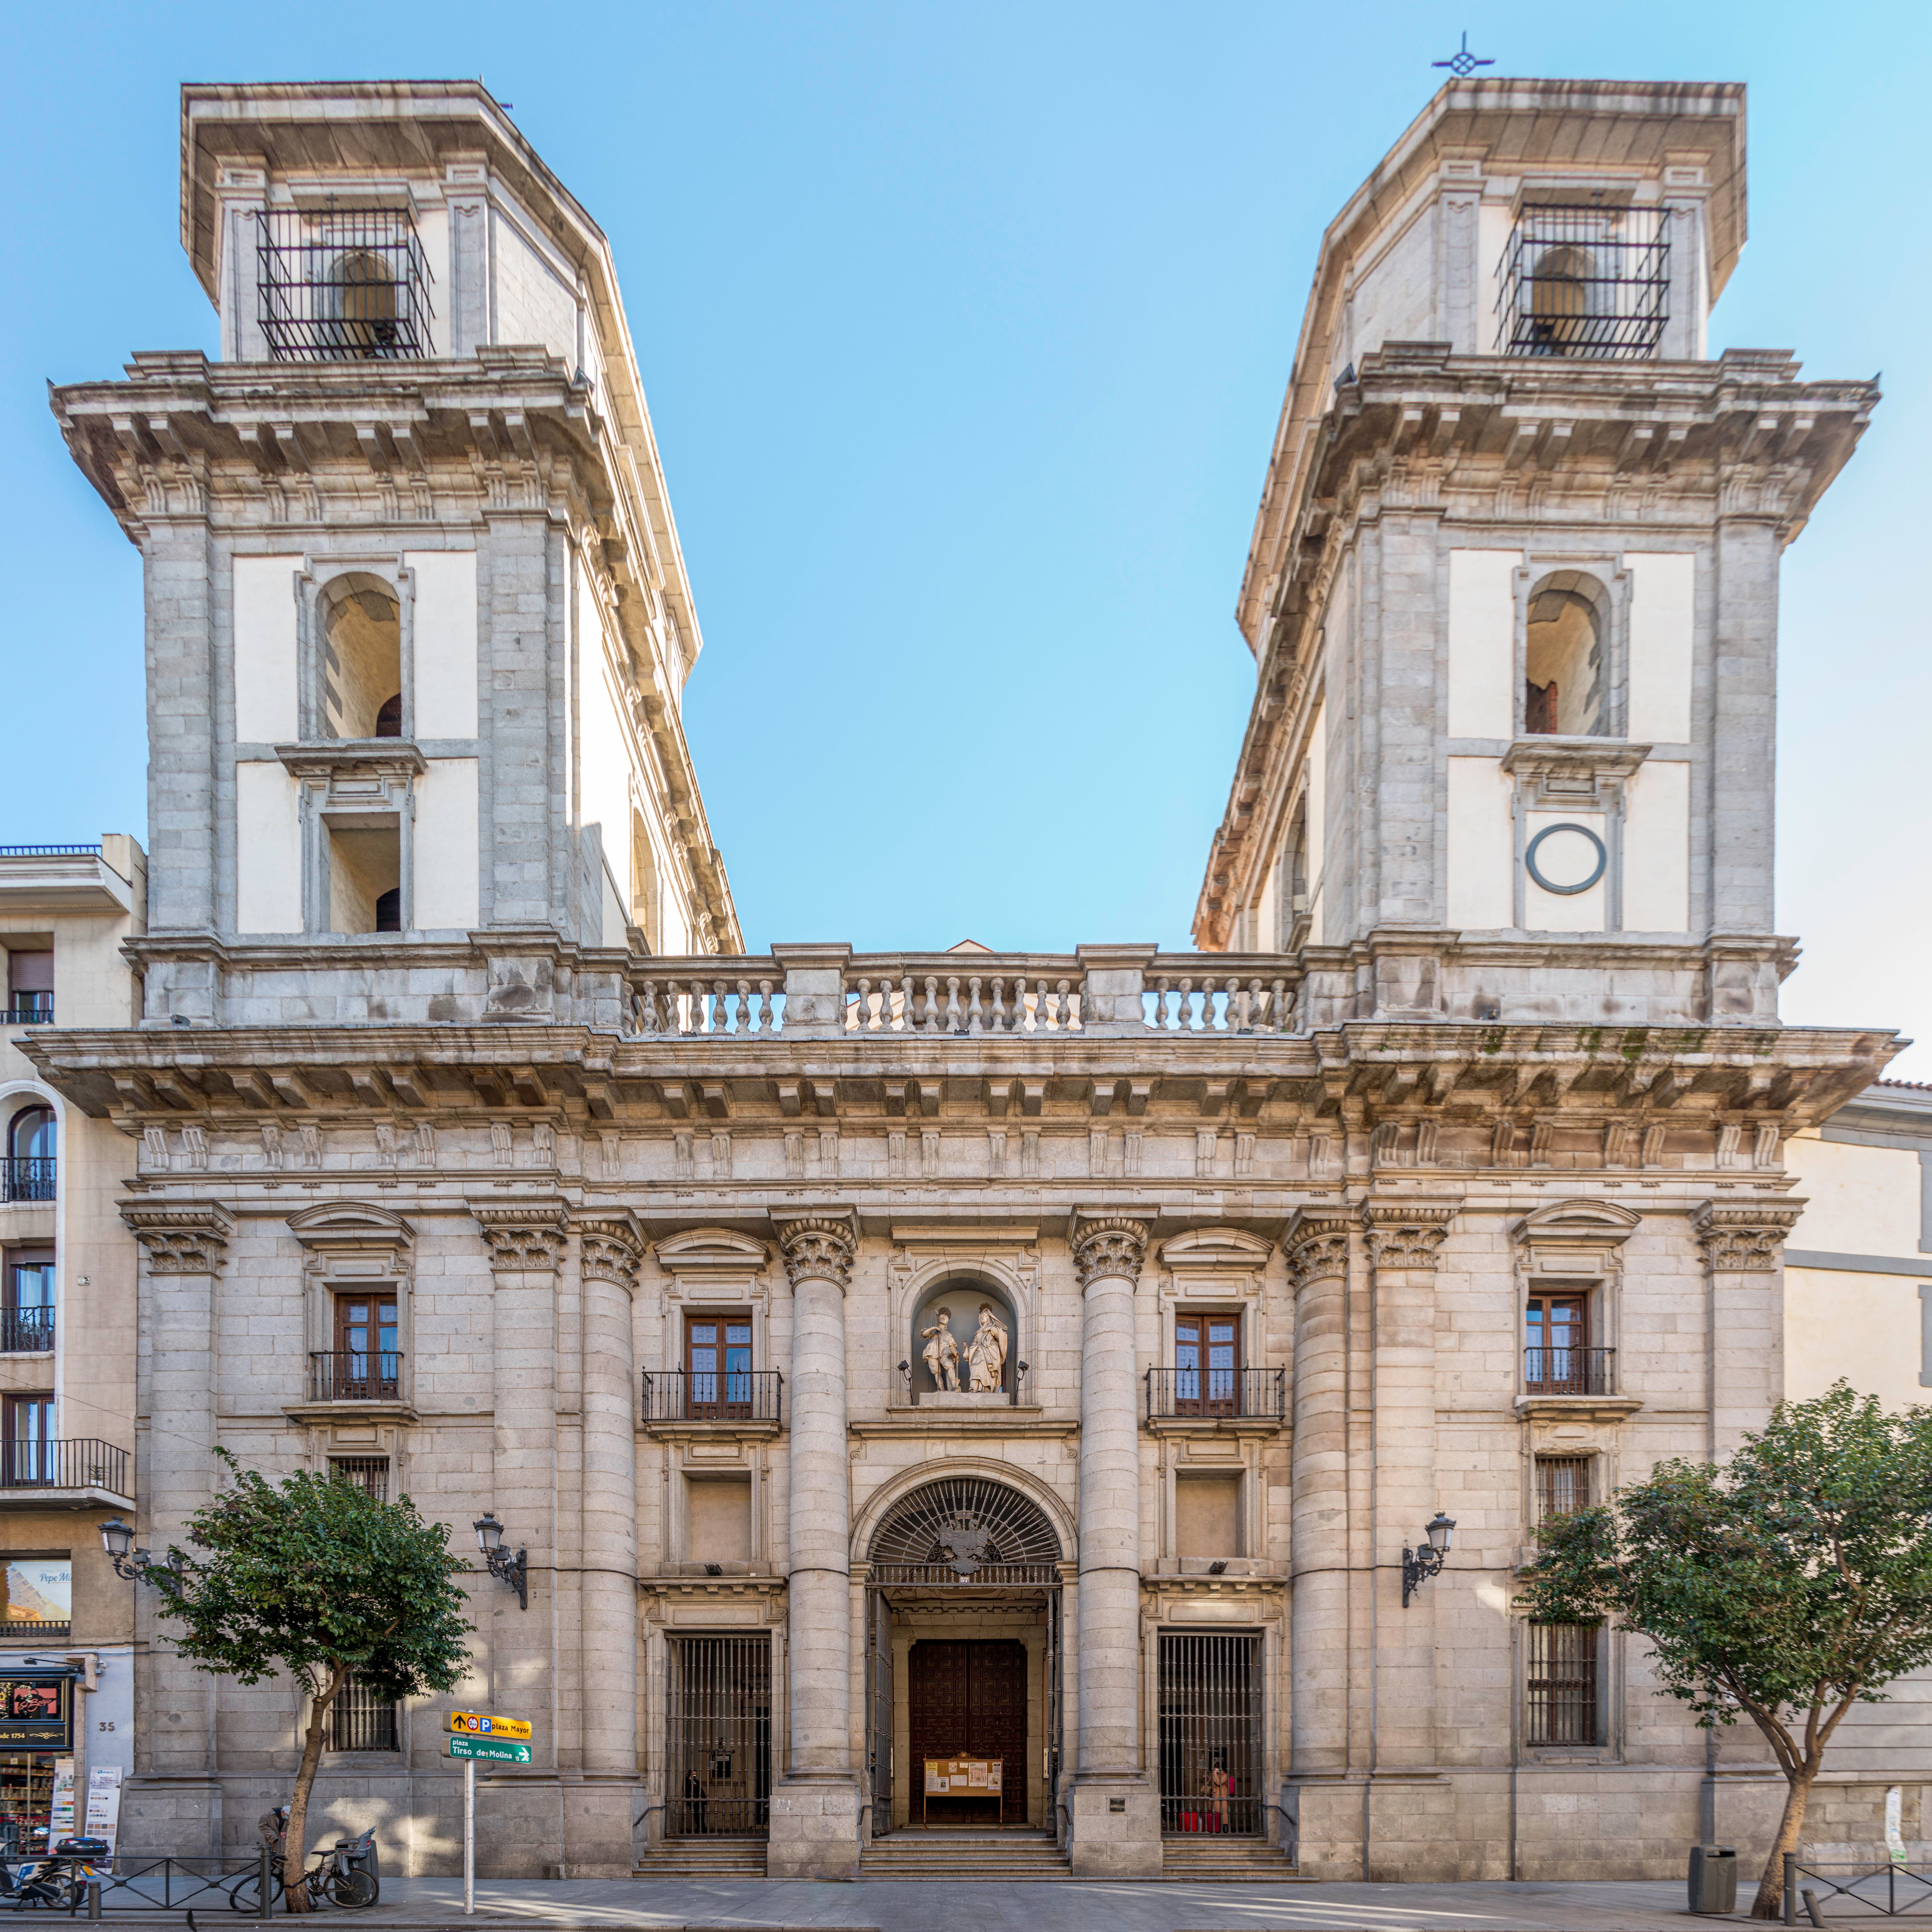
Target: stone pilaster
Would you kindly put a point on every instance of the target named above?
(815, 1827)
(176, 1799)
(1402, 1236)
(526, 1241)
(1744, 1258)
(597, 1832)
(1108, 1252)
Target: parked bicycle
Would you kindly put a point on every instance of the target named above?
(337, 1878)
(58, 1880)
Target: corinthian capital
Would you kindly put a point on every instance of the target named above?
(1108, 1244)
(610, 1248)
(523, 1236)
(189, 1239)
(1406, 1234)
(818, 1247)
(1316, 1245)
(1750, 1235)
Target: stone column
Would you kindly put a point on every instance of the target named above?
(517, 1820)
(1403, 1236)
(1107, 1251)
(176, 1799)
(1744, 1259)
(814, 1828)
(598, 1832)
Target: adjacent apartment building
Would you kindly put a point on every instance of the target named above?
(965, 1412)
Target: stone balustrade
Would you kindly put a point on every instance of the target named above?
(1025, 994)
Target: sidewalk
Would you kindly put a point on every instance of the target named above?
(1064, 1906)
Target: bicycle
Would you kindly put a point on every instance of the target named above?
(334, 1880)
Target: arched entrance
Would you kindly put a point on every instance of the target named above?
(963, 1660)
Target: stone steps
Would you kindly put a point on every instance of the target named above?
(1211, 1858)
(963, 1855)
(704, 1857)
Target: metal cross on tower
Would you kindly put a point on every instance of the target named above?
(1462, 62)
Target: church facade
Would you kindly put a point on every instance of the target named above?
(1093, 1404)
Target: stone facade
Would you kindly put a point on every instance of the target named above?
(1391, 1213)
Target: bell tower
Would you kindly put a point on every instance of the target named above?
(1513, 591)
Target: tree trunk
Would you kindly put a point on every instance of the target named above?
(1769, 1903)
(294, 1859)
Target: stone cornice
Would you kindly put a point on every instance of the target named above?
(818, 1247)
(189, 1238)
(522, 1236)
(1108, 1247)
(1743, 1234)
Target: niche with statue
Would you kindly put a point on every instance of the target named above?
(963, 1338)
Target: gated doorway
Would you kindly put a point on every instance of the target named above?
(718, 1732)
(968, 1699)
(1211, 1733)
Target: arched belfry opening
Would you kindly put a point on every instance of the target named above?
(963, 1647)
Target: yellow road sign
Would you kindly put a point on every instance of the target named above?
(481, 1724)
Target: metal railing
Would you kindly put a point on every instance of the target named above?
(26, 1331)
(1584, 281)
(49, 851)
(62, 1462)
(29, 1177)
(677, 1395)
(1563, 1371)
(1180, 1394)
(343, 285)
(28, 1009)
(1873, 1886)
(355, 1375)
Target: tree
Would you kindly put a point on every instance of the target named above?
(314, 1576)
(1789, 1584)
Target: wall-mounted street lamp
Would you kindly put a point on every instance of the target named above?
(118, 1540)
(1421, 1563)
(513, 1570)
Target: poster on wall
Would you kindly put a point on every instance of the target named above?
(35, 1715)
(104, 1804)
(60, 1819)
(39, 1595)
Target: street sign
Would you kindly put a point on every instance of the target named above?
(499, 1750)
(480, 1724)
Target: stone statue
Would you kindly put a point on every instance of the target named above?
(941, 1352)
(986, 1354)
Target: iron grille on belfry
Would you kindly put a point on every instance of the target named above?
(965, 1529)
(719, 1735)
(1211, 1733)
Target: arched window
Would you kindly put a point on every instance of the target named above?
(965, 1529)
(389, 718)
(1561, 289)
(1566, 681)
(365, 305)
(32, 1147)
(361, 657)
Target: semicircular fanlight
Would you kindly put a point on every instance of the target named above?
(965, 1529)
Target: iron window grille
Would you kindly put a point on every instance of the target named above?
(1562, 1486)
(367, 1472)
(964, 1530)
(25, 1009)
(1210, 1734)
(718, 1738)
(1560, 1693)
(62, 1462)
(733, 1395)
(29, 1177)
(1558, 1370)
(1584, 281)
(342, 285)
(360, 1720)
(355, 1375)
(1176, 1394)
(25, 1331)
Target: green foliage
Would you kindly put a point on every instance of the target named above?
(313, 1576)
(1790, 1582)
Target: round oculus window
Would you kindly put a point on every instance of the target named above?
(1566, 858)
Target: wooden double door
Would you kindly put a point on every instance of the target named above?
(968, 1698)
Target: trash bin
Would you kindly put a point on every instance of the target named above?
(1714, 1879)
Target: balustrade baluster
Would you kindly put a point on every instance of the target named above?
(973, 1015)
(952, 1003)
(1243, 1008)
(996, 1020)
(1063, 1007)
(904, 1023)
(929, 1019)
(1187, 1024)
(1278, 1006)
(862, 1020)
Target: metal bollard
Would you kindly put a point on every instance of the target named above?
(1791, 1887)
(94, 1898)
(266, 1898)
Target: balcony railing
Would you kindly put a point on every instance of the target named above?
(1590, 282)
(1179, 1395)
(348, 285)
(66, 1462)
(28, 1009)
(353, 1375)
(675, 1395)
(29, 1177)
(1556, 1371)
(26, 1331)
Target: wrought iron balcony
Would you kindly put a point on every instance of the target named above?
(25, 1331)
(1558, 1371)
(343, 285)
(1591, 282)
(29, 1177)
(1184, 1395)
(65, 1463)
(745, 1395)
(355, 1375)
(28, 1009)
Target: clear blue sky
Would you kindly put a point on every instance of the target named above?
(965, 331)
